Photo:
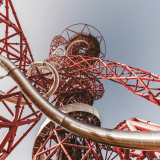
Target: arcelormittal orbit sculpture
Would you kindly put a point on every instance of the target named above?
(64, 87)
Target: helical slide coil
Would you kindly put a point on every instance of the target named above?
(142, 140)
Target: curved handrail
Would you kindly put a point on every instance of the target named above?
(58, 51)
(54, 72)
(142, 140)
(77, 41)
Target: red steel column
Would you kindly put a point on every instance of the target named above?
(150, 155)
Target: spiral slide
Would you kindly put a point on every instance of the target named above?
(148, 140)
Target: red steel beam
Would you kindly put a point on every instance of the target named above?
(116, 72)
(6, 138)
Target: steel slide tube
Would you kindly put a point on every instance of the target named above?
(141, 140)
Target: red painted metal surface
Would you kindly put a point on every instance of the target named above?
(72, 147)
(139, 155)
(80, 67)
(136, 80)
(15, 47)
(20, 55)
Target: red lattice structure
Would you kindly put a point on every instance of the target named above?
(78, 55)
(136, 124)
(80, 70)
(136, 80)
(53, 140)
(14, 104)
(69, 146)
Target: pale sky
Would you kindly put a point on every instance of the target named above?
(131, 29)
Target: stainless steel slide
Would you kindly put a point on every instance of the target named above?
(142, 140)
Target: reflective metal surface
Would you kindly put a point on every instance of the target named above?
(142, 126)
(43, 131)
(81, 109)
(73, 110)
(54, 72)
(142, 140)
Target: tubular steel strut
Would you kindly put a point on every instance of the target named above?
(68, 78)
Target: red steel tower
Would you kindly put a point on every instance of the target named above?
(69, 81)
(16, 110)
(75, 53)
(77, 91)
